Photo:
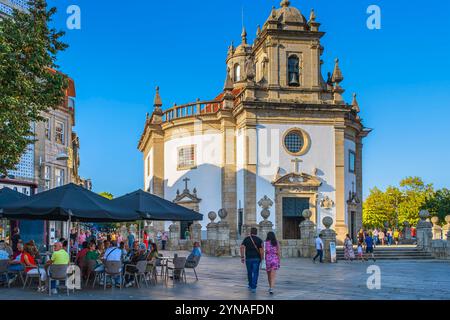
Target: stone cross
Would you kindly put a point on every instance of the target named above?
(296, 163)
(186, 180)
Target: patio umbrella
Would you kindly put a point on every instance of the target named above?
(8, 196)
(152, 207)
(68, 202)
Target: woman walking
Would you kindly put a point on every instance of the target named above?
(349, 254)
(272, 254)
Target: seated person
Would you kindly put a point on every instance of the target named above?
(153, 255)
(59, 257)
(79, 260)
(196, 252)
(124, 251)
(94, 255)
(140, 255)
(31, 267)
(15, 263)
(113, 253)
(3, 256)
(134, 250)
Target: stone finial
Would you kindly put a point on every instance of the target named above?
(435, 220)
(212, 216)
(228, 83)
(327, 222)
(258, 31)
(273, 13)
(157, 102)
(265, 203)
(231, 48)
(285, 3)
(307, 214)
(312, 16)
(337, 73)
(447, 219)
(223, 213)
(424, 214)
(244, 36)
(355, 105)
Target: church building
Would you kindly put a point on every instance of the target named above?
(277, 131)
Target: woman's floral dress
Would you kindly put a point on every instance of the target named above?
(272, 260)
(349, 254)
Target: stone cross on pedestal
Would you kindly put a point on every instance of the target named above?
(186, 180)
(296, 163)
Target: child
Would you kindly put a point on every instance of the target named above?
(360, 252)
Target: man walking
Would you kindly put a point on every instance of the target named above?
(369, 246)
(319, 248)
(251, 254)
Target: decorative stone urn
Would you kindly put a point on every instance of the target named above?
(211, 228)
(424, 231)
(446, 228)
(265, 226)
(436, 229)
(328, 236)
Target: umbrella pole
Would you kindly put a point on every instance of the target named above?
(68, 233)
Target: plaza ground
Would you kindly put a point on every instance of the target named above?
(298, 279)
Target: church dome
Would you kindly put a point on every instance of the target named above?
(289, 16)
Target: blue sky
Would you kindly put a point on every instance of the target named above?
(123, 50)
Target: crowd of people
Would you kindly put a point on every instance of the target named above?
(85, 246)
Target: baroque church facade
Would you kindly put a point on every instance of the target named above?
(277, 131)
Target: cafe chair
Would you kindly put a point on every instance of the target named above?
(57, 272)
(113, 269)
(176, 267)
(138, 271)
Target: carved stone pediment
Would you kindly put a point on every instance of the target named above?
(297, 180)
(187, 196)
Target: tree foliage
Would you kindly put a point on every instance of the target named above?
(28, 83)
(397, 204)
(439, 204)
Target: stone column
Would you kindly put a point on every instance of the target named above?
(211, 228)
(446, 228)
(436, 229)
(265, 226)
(307, 235)
(250, 159)
(196, 232)
(340, 226)
(424, 233)
(223, 235)
(328, 236)
(229, 170)
(174, 236)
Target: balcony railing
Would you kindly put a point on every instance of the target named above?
(192, 109)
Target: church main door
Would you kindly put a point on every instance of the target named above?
(292, 216)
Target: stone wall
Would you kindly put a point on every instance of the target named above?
(429, 236)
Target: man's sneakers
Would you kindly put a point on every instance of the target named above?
(129, 284)
(11, 281)
(314, 260)
(55, 291)
(253, 290)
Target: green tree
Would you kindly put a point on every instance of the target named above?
(439, 204)
(376, 209)
(415, 193)
(397, 204)
(28, 83)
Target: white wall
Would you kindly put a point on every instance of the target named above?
(148, 175)
(206, 177)
(272, 155)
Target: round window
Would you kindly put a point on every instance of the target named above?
(294, 141)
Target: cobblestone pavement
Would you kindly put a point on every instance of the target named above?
(298, 279)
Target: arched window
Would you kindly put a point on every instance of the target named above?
(237, 73)
(293, 71)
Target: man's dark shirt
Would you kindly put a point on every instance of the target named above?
(250, 250)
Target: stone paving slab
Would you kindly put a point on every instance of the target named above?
(298, 279)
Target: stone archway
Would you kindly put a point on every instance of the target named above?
(300, 189)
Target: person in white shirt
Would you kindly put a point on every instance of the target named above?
(319, 248)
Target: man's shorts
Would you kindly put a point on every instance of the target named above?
(369, 250)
